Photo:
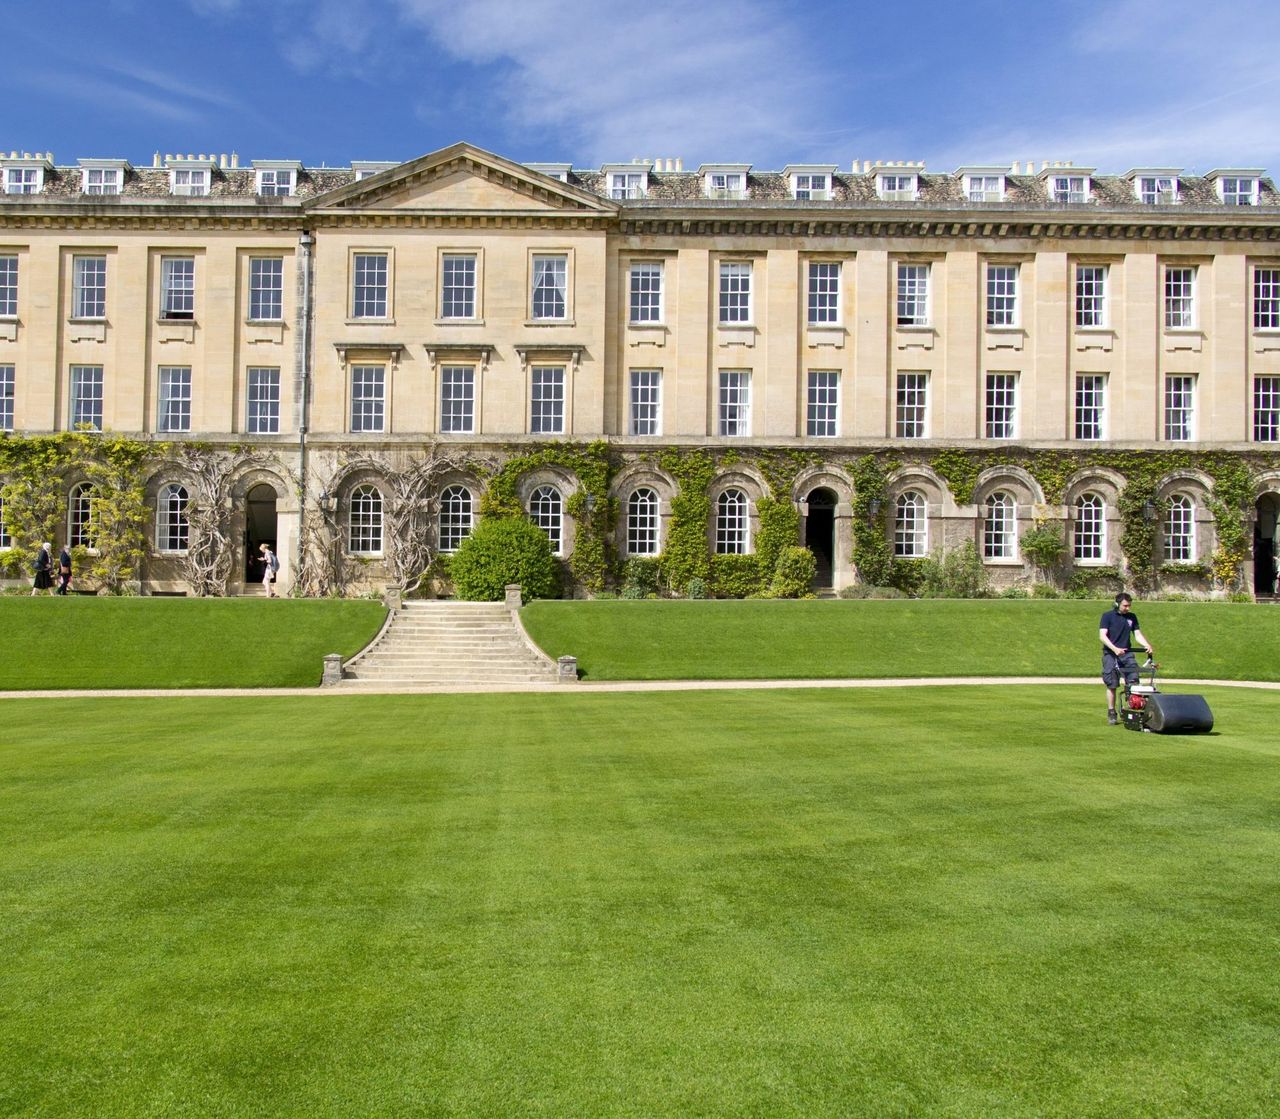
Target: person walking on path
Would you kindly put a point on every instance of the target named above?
(44, 568)
(64, 570)
(270, 565)
(1118, 630)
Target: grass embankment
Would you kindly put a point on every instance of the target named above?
(949, 902)
(617, 640)
(84, 642)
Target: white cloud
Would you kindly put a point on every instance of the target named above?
(709, 80)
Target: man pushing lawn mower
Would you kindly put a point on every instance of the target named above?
(1118, 630)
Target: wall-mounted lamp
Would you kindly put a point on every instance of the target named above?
(591, 502)
(1148, 511)
(873, 507)
(326, 502)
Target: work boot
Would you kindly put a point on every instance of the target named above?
(1111, 718)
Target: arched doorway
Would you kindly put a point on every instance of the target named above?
(1265, 544)
(820, 534)
(259, 528)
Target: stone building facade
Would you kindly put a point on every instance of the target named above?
(360, 349)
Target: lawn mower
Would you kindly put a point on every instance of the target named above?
(1146, 708)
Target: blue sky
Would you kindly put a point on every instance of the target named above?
(1114, 84)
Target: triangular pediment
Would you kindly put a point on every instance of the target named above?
(462, 179)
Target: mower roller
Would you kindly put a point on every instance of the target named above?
(1146, 708)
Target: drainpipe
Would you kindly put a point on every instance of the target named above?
(306, 245)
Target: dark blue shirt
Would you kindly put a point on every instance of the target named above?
(1119, 627)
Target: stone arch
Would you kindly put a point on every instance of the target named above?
(566, 484)
(628, 481)
(824, 497)
(264, 509)
(1008, 477)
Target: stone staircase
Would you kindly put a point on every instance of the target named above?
(450, 644)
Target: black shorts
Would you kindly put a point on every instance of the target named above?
(1113, 668)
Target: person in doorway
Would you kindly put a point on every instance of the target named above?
(270, 565)
(1119, 631)
(64, 570)
(44, 569)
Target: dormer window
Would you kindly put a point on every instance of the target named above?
(25, 175)
(1069, 188)
(1157, 190)
(627, 182)
(190, 177)
(366, 169)
(725, 181)
(897, 186)
(1236, 190)
(191, 182)
(102, 176)
(810, 182)
(276, 179)
(984, 188)
(557, 171)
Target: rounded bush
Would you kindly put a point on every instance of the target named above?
(697, 588)
(502, 550)
(794, 573)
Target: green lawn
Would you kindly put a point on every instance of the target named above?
(85, 642)
(941, 902)
(819, 639)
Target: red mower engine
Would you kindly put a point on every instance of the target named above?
(1146, 708)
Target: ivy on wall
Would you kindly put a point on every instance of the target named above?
(38, 471)
(593, 510)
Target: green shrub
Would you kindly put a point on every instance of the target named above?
(855, 590)
(887, 592)
(1239, 596)
(1045, 590)
(633, 593)
(1044, 545)
(954, 573)
(1015, 592)
(642, 575)
(502, 550)
(606, 596)
(734, 576)
(907, 575)
(697, 588)
(793, 573)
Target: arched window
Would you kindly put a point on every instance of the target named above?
(5, 540)
(1179, 531)
(546, 510)
(1089, 542)
(732, 523)
(642, 523)
(172, 528)
(911, 526)
(998, 529)
(455, 517)
(80, 526)
(364, 527)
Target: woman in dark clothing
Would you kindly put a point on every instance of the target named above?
(44, 568)
(64, 570)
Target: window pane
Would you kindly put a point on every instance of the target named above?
(1088, 541)
(1002, 295)
(174, 412)
(913, 295)
(547, 401)
(455, 517)
(266, 288)
(1001, 405)
(369, 291)
(910, 526)
(263, 405)
(458, 288)
(90, 287)
(6, 397)
(1179, 534)
(1179, 407)
(546, 511)
(824, 292)
(1179, 298)
(550, 287)
(642, 523)
(735, 402)
(1266, 298)
(735, 292)
(646, 292)
(457, 398)
(178, 288)
(1266, 409)
(172, 527)
(364, 535)
(1091, 399)
(998, 533)
(367, 385)
(912, 406)
(823, 403)
(86, 397)
(8, 285)
(732, 525)
(646, 391)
